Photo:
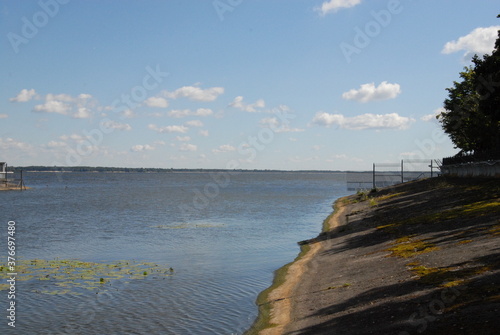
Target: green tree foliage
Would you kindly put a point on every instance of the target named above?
(472, 109)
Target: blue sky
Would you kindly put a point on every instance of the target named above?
(252, 84)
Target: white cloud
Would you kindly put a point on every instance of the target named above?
(53, 106)
(274, 124)
(204, 133)
(334, 6)
(179, 113)
(82, 113)
(128, 114)
(183, 138)
(141, 148)
(195, 93)
(203, 112)
(24, 95)
(194, 123)
(56, 144)
(168, 129)
(156, 102)
(84, 96)
(368, 92)
(224, 148)
(3, 116)
(251, 108)
(188, 147)
(361, 122)
(10, 143)
(432, 117)
(480, 41)
(116, 125)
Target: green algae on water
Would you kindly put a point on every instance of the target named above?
(71, 276)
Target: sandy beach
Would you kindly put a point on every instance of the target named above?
(416, 258)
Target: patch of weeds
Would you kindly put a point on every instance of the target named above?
(495, 230)
(373, 202)
(389, 196)
(464, 242)
(389, 228)
(406, 247)
(446, 276)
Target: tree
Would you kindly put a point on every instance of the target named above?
(472, 109)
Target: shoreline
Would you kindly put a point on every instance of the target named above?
(275, 308)
(429, 246)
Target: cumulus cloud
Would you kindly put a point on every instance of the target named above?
(82, 113)
(179, 113)
(188, 147)
(275, 125)
(77, 107)
(183, 138)
(141, 148)
(204, 133)
(195, 93)
(128, 114)
(480, 41)
(53, 106)
(251, 108)
(361, 122)
(168, 129)
(370, 92)
(156, 102)
(116, 125)
(432, 117)
(334, 6)
(10, 143)
(224, 148)
(3, 116)
(194, 123)
(24, 95)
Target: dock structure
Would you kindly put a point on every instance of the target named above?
(12, 183)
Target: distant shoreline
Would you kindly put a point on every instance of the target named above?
(52, 169)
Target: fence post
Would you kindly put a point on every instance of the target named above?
(402, 172)
(373, 176)
(432, 169)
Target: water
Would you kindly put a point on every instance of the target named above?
(223, 234)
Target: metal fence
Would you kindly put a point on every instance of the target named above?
(388, 174)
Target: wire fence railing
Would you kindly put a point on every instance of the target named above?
(388, 174)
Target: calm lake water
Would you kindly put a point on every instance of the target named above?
(223, 235)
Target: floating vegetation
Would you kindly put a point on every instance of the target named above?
(188, 225)
(70, 276)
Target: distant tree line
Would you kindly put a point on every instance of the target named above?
(472, 109)
(42, 168)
